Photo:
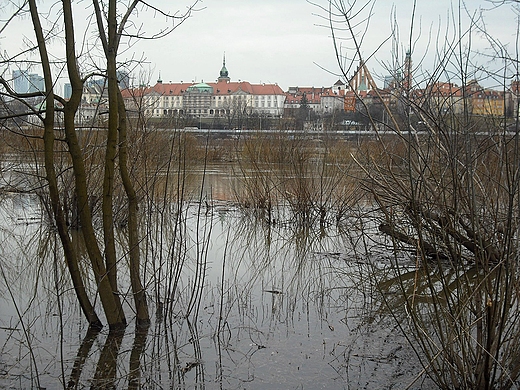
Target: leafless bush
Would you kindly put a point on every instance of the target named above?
(447, 189)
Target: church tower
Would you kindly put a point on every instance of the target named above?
(407, 74)
(224, 74)
(362, 79)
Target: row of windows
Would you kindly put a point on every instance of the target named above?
(158, 112)
(257, 97)
(268, 104)
(264, 97)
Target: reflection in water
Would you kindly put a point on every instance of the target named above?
(105, 376)
(197, 362)
(106, 372)
(138, 348)
(81, 357)
(271, 306)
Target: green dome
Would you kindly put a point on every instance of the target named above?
(200, 87)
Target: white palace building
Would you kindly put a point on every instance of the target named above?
(206, 100)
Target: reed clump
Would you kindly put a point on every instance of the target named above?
(299, 179)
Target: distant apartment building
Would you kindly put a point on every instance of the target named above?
(295, 97)
(25, 82)
(21, 81)
(94, 101)
(123, 78)
(333, 99)
(443, 97)
(485, 102)
(67, 91)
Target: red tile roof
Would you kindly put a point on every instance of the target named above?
(219, 88)
(312, 94)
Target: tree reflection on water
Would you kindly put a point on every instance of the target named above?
(279, 306)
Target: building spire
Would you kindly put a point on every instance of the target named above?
(224, 74)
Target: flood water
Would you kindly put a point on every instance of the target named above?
(235, 304)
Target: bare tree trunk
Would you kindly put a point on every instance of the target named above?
(111, 150)
(111, 306)
(141, 306)
(48, 139)
(117, 119)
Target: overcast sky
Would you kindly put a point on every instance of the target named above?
(281, 41)
(285, 41)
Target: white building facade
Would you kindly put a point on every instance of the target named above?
(207, 100)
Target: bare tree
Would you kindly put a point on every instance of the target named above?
(57, 209)
(446, 186)
(113, 24)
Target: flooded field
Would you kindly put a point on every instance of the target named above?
(253, 306)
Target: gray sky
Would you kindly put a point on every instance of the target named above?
(285, 41)
(281, 41)
(264, 41)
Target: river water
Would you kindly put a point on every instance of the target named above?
(236, 304)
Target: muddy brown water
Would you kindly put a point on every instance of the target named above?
(253, 307)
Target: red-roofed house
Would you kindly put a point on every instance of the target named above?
(485, 101)
(322, 100)
(294, 97)
(448, 97)
(333, 98)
